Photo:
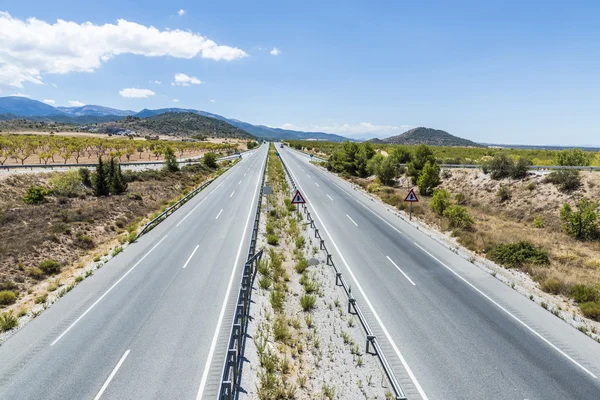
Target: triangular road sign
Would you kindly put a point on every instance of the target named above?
(411, 197)
(298, 199)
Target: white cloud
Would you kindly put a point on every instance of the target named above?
(184, 80)
(49, 101)
(20, 95)
(156, 82)
(363, 129)
(75, 103)
(136, 93)
(213, 101)
(275, 51)
(30, 48)
(181, 12)
(175, 100)
(54, 85)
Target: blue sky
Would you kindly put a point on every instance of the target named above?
(509, 72)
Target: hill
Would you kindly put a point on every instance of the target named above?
(25, 107)
(429, 136)
(96, 111)
(176, 124)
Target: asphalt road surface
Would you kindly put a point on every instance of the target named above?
(450, 330)
(154, 322)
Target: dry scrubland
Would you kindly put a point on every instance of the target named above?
(85, 148)
(46, 248)
(303, 343)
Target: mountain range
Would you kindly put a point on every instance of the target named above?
(12, 107)
(429, 136)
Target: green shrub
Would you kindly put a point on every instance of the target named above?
(301, 265)
(459, 217)
(277, 298)
(567, 180)
(300, 242)
(265, 282)
(517, 254)
(572, 157)
(67, 184)
(171, 164)
(440, 201)
(116, 251)
(35, 195)
(538, 222)
(8, 321)
(582, 224)
(307, 302)
(552, 285)
(498, 167)
(7, 297)
(35, 273)
(84, 241)
(273, 240)
(281, 331)
(50, 267)
(41, 298)
(460, 199)
(210, 160)
(429, 178)
(520, 168)
(591, 310)
(270, 228)
(584, 293)
(86, 177)
(503, 193)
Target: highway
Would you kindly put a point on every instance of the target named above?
(449, 329)
(154, 322)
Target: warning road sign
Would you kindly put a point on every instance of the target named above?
(411, 197)
(298, 199)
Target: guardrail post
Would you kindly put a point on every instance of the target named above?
(317, 235)
(238, 334)
(370, 339)
(322, 244)
(338, 277)
(226, 393)
(233, 362)
(329, 260)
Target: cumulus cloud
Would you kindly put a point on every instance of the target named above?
(136, 93)
(75, 103)
(363, 129)
(175, 100)
(156, 82)
(31, 48)
(184, 80)
(275, 51)
(213, 101)
(20, 95)
(49, 101)
(181, 12)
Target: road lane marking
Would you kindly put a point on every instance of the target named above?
(213, 345)
(231, 194)
(191, 255)
(351, 220)
(509, 313)
(317, 184)
(330, 197)
(370, 305)
(244, 174)
(112, 375)
(107, 292)
(193, 209)
(239, 182)
(308, 176)
(402, 272)
(219, 213)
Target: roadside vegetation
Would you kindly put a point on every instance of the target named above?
(53, 225)
(545, 224)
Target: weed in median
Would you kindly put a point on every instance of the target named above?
(8, 321)
(265, 282)
(307, 302)
(273, 240)
(277, 299)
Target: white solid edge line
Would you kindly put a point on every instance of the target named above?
(213, 344)
(399, 269)
(193, 209)
(351, 220)
(191, 255)
(112, 375)
(105, 293)
(330, 197)
(366, 299)
(232, 194)
(509, 313)
(219, 213)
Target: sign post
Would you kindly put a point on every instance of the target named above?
(411, 197)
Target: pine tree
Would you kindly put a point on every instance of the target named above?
(119, 186)
(100, 180)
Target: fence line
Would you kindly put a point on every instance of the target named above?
(352, 304)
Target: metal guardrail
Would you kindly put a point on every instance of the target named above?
(232, 368)
(352, 304)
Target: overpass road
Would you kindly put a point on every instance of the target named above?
(154, 322)
(450, 330)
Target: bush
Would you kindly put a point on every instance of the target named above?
(517, 254)
(503, 193)
(300, 242)
(572, 157)
(35, 195)
(584, 293)
(273, 240)
(8, 321)
(277, 298)
(429, 178)
(50, 267)
(591, 310)
(520, 168)
(582, 224)
(86, 177)
(567, 180)
(67, 184)
(301, 265)
(265, 282)
(84, 241)
(458, 217)
(7, 297)
(171, 164)
(538, 222)
(552, 285)
(440, 201)
(423, 154)
(210, 160)
(498, 167)
(281, 331)
(460, 199)
(307, 301)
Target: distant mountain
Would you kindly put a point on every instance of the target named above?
(25, 107)
(96, 111)
(176, 124)
(432, 137)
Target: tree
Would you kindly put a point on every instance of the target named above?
(210, 160)
(440, 201)
(387, 172)
(100, 179)
(429, 178)
(499, 167)
(118, 185)
(84, 173)
(572, 157)
(170, 160)
(567, 180)
(583, 223)
(375, 163)
(520, 168)
(423, 154)
(401, 155)
(363, 155)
